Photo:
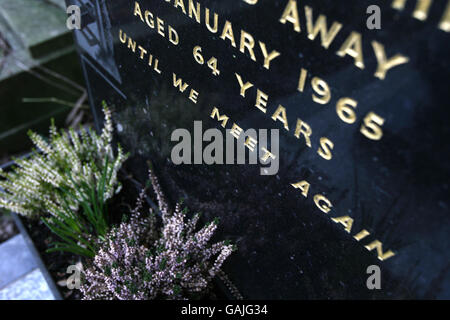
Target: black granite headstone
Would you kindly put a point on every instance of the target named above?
(362, 115)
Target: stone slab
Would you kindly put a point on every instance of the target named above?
(16, 260)
(32, 286)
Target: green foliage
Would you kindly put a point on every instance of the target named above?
(67, 183)
(80, 231)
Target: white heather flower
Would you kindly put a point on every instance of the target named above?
(31, 188)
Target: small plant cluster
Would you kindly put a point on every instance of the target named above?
(139, 260)
(67, 182)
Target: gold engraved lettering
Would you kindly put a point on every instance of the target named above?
(371, 126)
(322, 203)
(346, 221)
(243, 86)
(353, 47)
(151, 22)
(345, 110)
(444, 25)
(155, 64)
(150, 60)
(132, 44)
(302, 80)
(361, 235)
(216, 21)
(250, 143)
(326, 145)
(247, 42)
(303, 186)
(236, 131)
(160, 26)
(122, 36)
(194, 11)
(143, 52)
(182, 86)
(173, 36)
(227, 33)
(321, 88)
(280, 114)
(268, 57)
(304, 129)
(376, 244)
(137, 10)
(267, 155)
(180, 3)
(193, 96)
(223, 118)
(290, 14)
(421, 10)
(326, 36)
(385, 64)
(261, 100)
(179, 83)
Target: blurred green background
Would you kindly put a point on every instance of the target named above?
(40, 74)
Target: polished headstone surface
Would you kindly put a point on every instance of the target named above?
(396, 188)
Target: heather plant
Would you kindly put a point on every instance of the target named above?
(67, 182)
(156, 257)
(81, 230)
